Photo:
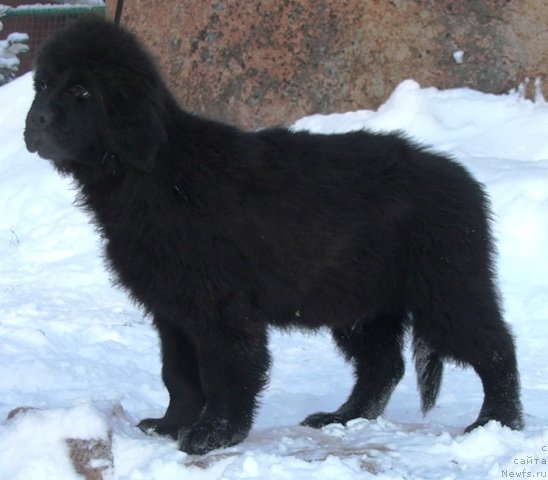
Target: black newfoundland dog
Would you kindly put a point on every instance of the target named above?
(219, 233)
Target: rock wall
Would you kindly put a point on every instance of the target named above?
(263, 62)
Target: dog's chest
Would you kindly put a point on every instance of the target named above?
(149, 256)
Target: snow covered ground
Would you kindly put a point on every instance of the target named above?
(75, 349)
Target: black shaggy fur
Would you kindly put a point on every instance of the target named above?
(219, 233)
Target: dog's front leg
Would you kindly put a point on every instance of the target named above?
(233, 365)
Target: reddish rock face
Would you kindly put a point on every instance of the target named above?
(263, 62)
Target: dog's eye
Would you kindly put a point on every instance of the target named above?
(41, 86)
(78, 91)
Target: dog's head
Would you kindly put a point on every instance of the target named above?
(98, 95)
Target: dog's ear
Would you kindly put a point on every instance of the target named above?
(134, 128)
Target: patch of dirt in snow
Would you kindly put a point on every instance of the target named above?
(301, 443)
(91, 457)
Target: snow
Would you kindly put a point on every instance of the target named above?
(458, 56)
(43, 433)
(9, 49)
(18, 37)
(83, 357)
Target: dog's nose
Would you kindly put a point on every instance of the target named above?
(41, 118)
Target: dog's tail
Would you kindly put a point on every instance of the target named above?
(429, 368)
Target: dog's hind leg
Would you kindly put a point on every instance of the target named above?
(464, 324)
(375, 351)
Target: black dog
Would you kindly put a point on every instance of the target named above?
(219, 233)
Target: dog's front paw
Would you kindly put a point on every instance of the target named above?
(210, 434)
(159, 426)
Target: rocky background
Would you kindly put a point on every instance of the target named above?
(264, 62)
